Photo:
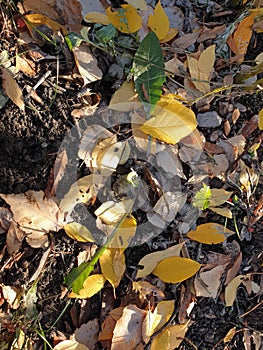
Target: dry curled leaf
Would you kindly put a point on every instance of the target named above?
(12, 89)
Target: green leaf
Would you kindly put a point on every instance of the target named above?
(106, 33)
(202, 197)
(73, 40)
(148, 69)
(78, 275)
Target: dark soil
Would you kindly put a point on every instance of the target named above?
(29, 142)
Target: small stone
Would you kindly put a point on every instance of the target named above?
(209, 119)
(224, 108)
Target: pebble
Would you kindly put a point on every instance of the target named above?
(209, 119)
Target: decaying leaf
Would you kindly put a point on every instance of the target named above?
(11, 295)
(87, 64)
(92, 285)
(176, 269)
(146, 288)
(12, 89)
(14, 238)
(201, 69)
(112, 212)
(171, 120)
(210, 233)
(78, 232)
(231, 289)
(125, 99)
(128, 330)
(150, 261)
(126, 19)
(35, 215)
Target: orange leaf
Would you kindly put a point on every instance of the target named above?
(210, 233)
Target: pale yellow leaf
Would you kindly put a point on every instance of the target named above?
(226, 212)
(176, 269)
(91, 286)
(138, 4)
(12, 89)
(230, 334)
(97, 17)
(260, 119)
(150, 261)
(155, 320)
(171, 121)
(112, 263)
(259, 58)
(11, 295)
(210, 233)
(142, 139)
(127, 332)
(170, 338)
(124, 233)
(87, 63)
(126, 20)
(110, 157)
(219, 196)
(112, 212)
(231, 290)
(159, 22)
(78, 232)
(125, 99)
(70, 345)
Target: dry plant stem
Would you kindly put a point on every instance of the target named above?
(251, 310)
(41, 80)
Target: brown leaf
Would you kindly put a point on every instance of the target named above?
(5, 219)
(14, 238)
(87, 334)
(208, 33)
(186, 40)
(250, 126)
(213, 148)
(12, 89)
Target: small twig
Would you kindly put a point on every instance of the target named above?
(41, 80)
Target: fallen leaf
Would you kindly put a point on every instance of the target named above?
(97, 17)
(128, 330)
(231, 289)
(159, 22)
(112, 212)
(186, 40)
(14, 238)
(12, 89)
(40, 6)
(201, 69)
(70, 345)
(125, 99)
(171, 121)
(176, 269)
(5, 219)
(124, 233)
(230, 335)
(87, 64)
(142, 140)
(150, 261)
(172, 32)
(107, 328)
(87, 334)
(260, 119)
(138, 4)
(226, 212)
(38, 19)
(210, 233)
(171, 337)
(239, 40)
(112, 263)
(219, 196)
(146, 288)
(11, 295)
(91, 286)
(35, 215)
(126, 19)
(155, 320)
(78, 232)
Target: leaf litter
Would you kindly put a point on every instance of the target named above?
(170, 101)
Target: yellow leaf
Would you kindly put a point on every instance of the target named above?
(155, 320)
(78, 232)
(231, 290)
(226, 212)
(126, 20)
(159, 22)
(97, 17)
(138, 4)
(170, 338)
(150, 261)
(176, 269)
(12, 89)
(91, 286)
(171, 121)
(37, 19)
(125, 99)
(260, 119)
(112, 263)
(201, 69)
(230, 335)
(124, 233)
(172, 32)
(210, 233)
